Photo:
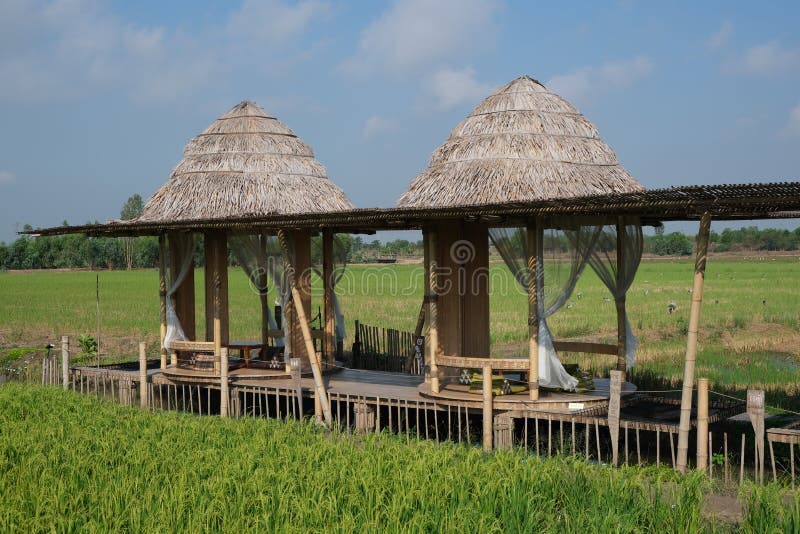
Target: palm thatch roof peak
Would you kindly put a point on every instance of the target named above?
(246, 163)
(522, 143)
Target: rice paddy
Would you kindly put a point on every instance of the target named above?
(71, 462)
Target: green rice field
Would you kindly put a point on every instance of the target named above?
(75, 463)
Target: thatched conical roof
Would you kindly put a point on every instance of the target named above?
(523, 143)
(247, 163)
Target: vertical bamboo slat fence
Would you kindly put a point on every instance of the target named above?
(384, 349)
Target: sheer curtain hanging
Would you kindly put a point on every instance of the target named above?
(618, 278)
(250, 251)
(339, 263)
(183, 246)
(554, 285)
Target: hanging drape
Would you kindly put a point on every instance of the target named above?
(554, 283)
(618, 278)
(339, 263)
(183, 246)
(251, 253)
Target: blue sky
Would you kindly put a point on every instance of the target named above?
(99, 98)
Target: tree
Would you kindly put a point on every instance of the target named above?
(132, 208)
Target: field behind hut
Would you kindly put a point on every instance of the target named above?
(750, 322)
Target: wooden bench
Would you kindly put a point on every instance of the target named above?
(200, 354)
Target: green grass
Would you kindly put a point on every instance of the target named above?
(76, 463)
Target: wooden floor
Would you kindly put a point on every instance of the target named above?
(374, 385)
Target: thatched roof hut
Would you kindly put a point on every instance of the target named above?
(246, 163)
(523, 143)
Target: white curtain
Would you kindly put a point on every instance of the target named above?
(554, 282)
(339, 262)
(618, 278)
(183, 246)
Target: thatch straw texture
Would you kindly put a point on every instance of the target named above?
(523, 143)
(247, 163)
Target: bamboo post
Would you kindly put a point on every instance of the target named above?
(622, 336)
(533, 310)
(143, 375)
(691, 342)
(223, 383)
(487, 408)
(741, 462)
(294, 365)
(327, 282)
(65, 362)
(702, 424)
(263, 294)
(162, 292)
(613, 417)
(433, 312)
(299, 309)
(755, 409)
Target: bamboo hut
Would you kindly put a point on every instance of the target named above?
(523, 143)
(246, 164)
(524, 160)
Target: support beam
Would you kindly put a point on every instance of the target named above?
(691, 342)
(302, 319)
(263, 294)
(488, 417)
(224, 390)
(533, 310)
(65, 362)
(216, 284)
(702, 424)
(143, 375)
(162, 291)
(299, 243)
(622, 341)
(433, 313)
(329, 345)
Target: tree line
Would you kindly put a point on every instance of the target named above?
(79, 251)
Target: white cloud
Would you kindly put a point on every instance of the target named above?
(79, 47)
(414, 34)
(585, 82)
(377, 125)
(450, 88)
(764, 60)
(721, 37)
(275, 22)
(793, 125)
(7, 177)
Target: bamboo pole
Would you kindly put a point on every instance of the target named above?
(691, 342)
(162, 292)
(702, 424)
(327, 281)
(263, 295)
(622, 336)
(223, 383)
(65, 362)
(304, 327)
(433, 312)
(487, 408)
(143, 375)
(613, 417)
(533, 310)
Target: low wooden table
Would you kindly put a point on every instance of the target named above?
(244, 348)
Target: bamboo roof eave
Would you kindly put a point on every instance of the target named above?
(778, 200)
